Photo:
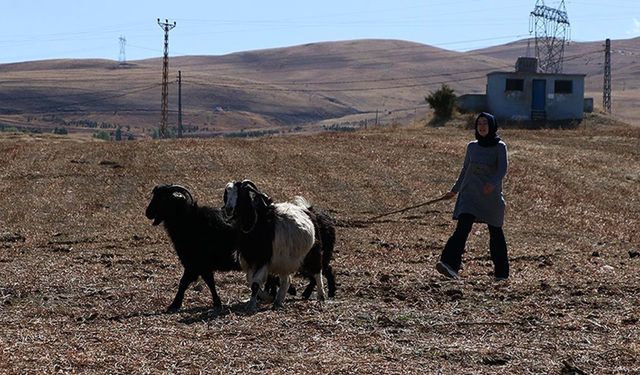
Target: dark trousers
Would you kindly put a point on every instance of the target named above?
(453, 250)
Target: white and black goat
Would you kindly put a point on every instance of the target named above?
(325, 238)
(203, 240)
(274, 239)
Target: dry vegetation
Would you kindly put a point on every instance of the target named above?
(85, 278)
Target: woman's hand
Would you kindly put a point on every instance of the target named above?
(487, 189)
(449, 195)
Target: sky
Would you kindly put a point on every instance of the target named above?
(45, 29)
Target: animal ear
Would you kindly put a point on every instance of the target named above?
(225, 197)
(249, 218)
(252, 198)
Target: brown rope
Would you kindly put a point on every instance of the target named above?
(407, 208)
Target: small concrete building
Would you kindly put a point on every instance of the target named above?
(526, 94)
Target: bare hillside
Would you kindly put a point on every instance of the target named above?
(280, 89)
(257, 89)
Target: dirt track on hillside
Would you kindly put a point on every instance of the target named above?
(85, 278)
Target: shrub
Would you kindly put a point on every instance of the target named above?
(101, 134)
(442, 101)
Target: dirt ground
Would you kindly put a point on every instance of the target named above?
(85, 278)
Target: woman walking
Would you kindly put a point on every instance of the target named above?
(480, 200)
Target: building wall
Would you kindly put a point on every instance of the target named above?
(516, 105)
(588, 105)
(472, 103)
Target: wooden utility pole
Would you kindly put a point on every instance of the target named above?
(179, 104)
(606, 91)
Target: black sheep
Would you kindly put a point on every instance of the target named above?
(203, 240)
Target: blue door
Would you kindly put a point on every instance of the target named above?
(539, 90)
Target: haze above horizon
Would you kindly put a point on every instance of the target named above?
(39, 29)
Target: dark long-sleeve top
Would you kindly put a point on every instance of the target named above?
(482, 165)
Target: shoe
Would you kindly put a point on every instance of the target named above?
(445, 270)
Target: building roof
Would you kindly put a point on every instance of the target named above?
(526, 74)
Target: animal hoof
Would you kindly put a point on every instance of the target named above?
(251, 307)
(292, 290)
(264, 297)
(172, 309)
(306, 295)
(278, 306)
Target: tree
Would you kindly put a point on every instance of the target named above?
(442, 101)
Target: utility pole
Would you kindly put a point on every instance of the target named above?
(166, 26)
(606, 91)
(179, 104)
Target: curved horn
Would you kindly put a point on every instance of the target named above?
(250, 184)
(181, 189)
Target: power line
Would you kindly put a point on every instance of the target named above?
(292, 64)
(280, 64)
(274, 89)
(255, 85)
(62, 107)
(268, 86)
(115, 92)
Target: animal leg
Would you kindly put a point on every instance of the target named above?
(271, 286)
(257, 279)
(285, 281)
(211, 283)
(320, 293)
(309, 289)
(331, 281)
(185, 281)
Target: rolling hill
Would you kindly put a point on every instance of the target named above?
(284, 88)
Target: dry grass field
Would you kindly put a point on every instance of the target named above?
(85, 278)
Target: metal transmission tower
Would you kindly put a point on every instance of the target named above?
(166, 26)
(122, 59)
(606, 92)
(552, 32)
